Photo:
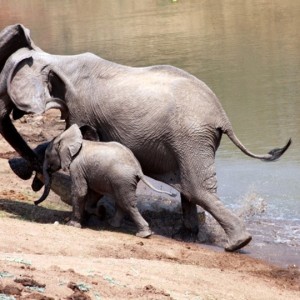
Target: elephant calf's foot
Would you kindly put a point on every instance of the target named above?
(238, 242)
(144, 233)
(74, 224)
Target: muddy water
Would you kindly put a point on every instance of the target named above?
(246, 51)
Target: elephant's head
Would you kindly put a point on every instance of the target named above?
(59, 154)
(33, 84)
(26, 76)
(13, 38)
(29, 83)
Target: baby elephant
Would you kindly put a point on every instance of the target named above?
(104, 168)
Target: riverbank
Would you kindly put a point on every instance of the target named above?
(40, 258)
(54, 259)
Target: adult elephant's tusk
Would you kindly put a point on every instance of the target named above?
(57, 103)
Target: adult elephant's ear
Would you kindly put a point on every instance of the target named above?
(33, 84)
(13, 38)
(58, 86)
(25, 83)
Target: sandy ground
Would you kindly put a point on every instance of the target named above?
(41, 258)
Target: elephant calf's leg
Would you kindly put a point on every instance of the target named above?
(79, 194)
(77, 217)
(126, 199)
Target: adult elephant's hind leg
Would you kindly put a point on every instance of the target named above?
(200, 184)
(235, 229)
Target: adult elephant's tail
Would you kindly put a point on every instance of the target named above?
(274, 154)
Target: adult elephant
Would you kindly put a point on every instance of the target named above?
(171, 120)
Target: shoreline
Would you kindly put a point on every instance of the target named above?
(117, 265)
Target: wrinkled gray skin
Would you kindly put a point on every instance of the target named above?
(60, 184)
(171, 120)
(104, 168)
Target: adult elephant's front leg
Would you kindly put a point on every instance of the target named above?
(189, 214)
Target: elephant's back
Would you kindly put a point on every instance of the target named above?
(188, 99)
(109, 155)
(145, 91)
(105, 164)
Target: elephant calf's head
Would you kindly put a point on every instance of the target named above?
(59, 154)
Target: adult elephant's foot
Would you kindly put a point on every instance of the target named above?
(74, 224)
(115, 222)
(117, 218)
(144, 233)
(238, 242)
(186, 234)
(101, 212)
(190, 227)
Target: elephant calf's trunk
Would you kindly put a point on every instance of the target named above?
(48, 181)
(45, 194)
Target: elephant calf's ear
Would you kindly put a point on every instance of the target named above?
(69, 145)
(89, 133)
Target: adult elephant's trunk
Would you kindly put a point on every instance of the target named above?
(22, 167)
(11, 135)
(12, 38)
(48, 181)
